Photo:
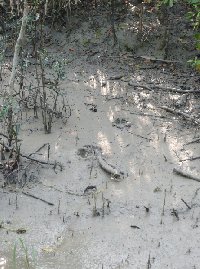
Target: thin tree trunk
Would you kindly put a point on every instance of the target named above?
(113, 21)
(18, 46)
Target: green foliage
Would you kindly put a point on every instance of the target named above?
(169, 3)
(86, 42)
(197, 37)
(4, 108)
(4, 111)
(194, 17)
(195, 63)
(28, 258)
(58, 68)
(98, 33)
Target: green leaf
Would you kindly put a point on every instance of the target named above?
(198, 46)
(193, 2)
(197, 36)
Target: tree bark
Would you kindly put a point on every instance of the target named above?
(18, 47)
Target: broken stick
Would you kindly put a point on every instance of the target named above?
(54, 164)
(186, 203)
(37, 198)
(186, 174)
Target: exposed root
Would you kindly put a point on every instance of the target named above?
(90, 150)
(184, 115)
(108, 168)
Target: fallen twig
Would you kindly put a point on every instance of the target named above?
(186, 203)
(135, 227)
(193, 141)
(36, 160)
(149, 262)
(9, 229)
(4, 135)
(175, 90)
(195, 195)
(186, 174)
(18, 140)
(62, 191)
(153, 59)
(140, 136)
(116, 77)
(35, 197)
(114, 98)
(38, 149)
(177, 112)
(190, 159)
(148, 115)
(159, 87)
(163, 209)
(131, 83)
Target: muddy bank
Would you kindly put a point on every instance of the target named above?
(149, 217)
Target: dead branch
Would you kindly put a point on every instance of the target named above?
(32, 196)
(116, 77)
(186, 174)
(131, 83)
(36, 160)
(159, 87)
(190, 159)
(193, 142)
(37, 198)
(175, 90)
(189, 207)
(114, 98)
(62, 191)
(177, 112)
(148, 115)
(1, 134)
(8, 229)
(54, 164)
(44, 145)
(4, 135)
(153, 59)
(140, 136)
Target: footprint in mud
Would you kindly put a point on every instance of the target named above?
(87, 151)
(121, 123)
